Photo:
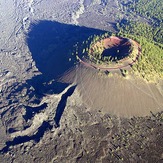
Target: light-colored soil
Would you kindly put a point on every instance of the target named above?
(118, 95)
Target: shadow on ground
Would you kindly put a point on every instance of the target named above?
(117, 52)
(51, 44)
(62, 104)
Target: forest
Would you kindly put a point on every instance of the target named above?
(149, 34)
(150, 63)
(151, 10)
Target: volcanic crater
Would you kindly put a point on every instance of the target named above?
(111, 53)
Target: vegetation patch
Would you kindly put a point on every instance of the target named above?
(149, 65)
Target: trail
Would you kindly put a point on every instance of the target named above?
(76, 14)
(140, 89)
(154, 97)
(151, 92)
(26, 20)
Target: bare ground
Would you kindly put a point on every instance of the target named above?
(118, 95)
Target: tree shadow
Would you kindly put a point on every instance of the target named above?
(51, 44)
